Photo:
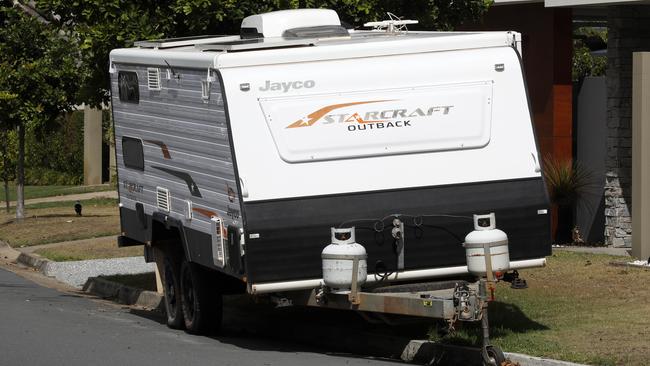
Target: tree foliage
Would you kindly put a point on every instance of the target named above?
(102, 25)
(38, 78)
(37, 71)
(7, 156)
(586, 40)
(56, 156)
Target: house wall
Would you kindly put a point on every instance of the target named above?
(591, 152)
(641, 155)
(629, 31)
(547, 48)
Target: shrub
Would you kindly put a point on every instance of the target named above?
(55, 155)
(566, 181)
(585, 63)
(41, 177)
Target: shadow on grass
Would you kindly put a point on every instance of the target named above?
(510, 317)
(504, 319)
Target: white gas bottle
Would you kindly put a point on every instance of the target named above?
(486, 234)
(338, 261)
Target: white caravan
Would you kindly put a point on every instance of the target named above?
(236, 155)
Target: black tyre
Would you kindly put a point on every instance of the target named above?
(202, 306)
(172, 290)
(495, 354)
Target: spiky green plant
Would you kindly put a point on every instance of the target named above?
(566, 180)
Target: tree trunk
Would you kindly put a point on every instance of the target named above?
(5, 167)
(20, 182)
(7, 194)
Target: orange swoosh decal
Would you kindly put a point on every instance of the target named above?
(210, 214)
(315, 116)
(162, 146)
(205, 212)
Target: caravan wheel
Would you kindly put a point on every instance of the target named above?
(202, 308)
(495, 356)
(172, 290)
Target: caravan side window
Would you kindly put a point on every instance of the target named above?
(132, 153)
(127, 83)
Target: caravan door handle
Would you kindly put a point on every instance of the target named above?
(244, 190)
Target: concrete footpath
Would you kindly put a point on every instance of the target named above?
(68, 197)
(617, 251)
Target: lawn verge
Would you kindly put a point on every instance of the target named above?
(96, 248)
(579, 308)
(54, 222)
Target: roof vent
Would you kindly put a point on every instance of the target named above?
(153, 78)
(276, 23)
(320, 31)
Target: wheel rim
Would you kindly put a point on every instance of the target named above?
(188, 295)
(495, 356)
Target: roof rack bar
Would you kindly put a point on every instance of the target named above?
(255, 44)
(184, 41)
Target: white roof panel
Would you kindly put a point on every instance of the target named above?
(360, 44)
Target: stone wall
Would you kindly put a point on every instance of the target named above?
(629, 31)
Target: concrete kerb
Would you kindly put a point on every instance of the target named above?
(7, 253)
(123, 294)
(526, 360)
(429, 353)
(99, 286)
(33, 261)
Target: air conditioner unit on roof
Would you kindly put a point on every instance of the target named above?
(276, 23)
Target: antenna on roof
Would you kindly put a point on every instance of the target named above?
(393, 25)
(172, 70)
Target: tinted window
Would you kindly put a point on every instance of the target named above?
(132, 153)
(127, 83)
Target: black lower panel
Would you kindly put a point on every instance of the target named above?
(139, 228)
(132, 225)
(199, 246)
(293, 232)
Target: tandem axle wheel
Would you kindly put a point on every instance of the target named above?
(492, 356)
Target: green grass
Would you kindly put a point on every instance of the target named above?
(48, 191)
(101, 202)
(54, 222)
(579, 308)
(98, 248)
(84, 203)
(59, 257)
(66, 237)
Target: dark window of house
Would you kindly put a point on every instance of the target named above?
(127, 82)
(132, 153)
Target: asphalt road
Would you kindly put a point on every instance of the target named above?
(42, 326)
